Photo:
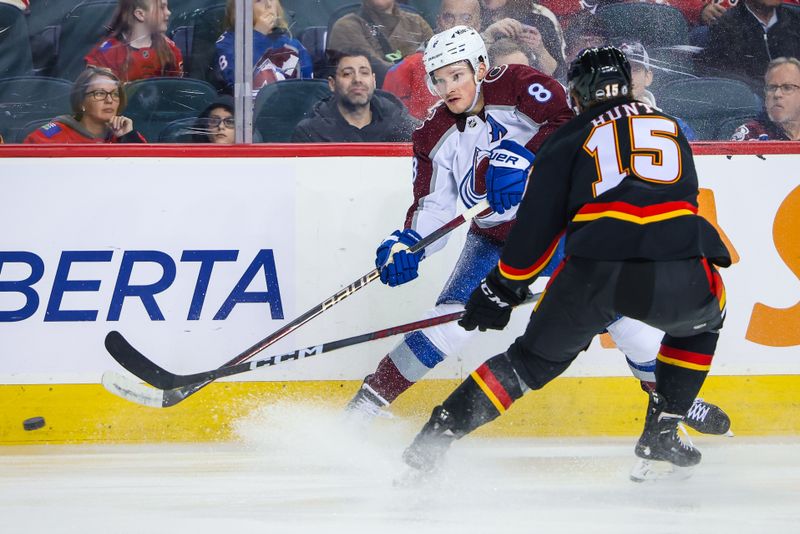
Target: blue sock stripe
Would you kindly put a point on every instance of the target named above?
(647, 367)
(425, 351)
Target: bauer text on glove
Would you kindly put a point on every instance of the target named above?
(509, 166)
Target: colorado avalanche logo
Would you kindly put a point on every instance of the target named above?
(472, 188)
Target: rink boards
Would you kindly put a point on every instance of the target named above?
(195, 254)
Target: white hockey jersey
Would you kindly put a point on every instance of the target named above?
(451, 152)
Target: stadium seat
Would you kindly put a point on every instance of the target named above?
(653, 25)
(153, 103)
(178, 7)
(196, 33)
(705, 102)
(15, 49)
(309, 13)
(313, 38)
(669, 64)
(27, 98)
(178, 131)
(83, 27)
(280, 106)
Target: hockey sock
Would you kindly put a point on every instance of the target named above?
(487, 393)
(387, 381)
(681, 368)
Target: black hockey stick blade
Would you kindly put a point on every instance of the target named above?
(137, 363)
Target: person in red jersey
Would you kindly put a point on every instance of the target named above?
(97, 99)
(136, 46)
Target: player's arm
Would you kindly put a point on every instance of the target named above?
(544, 101)
(435, 197)
(541, 220)
(541, 100)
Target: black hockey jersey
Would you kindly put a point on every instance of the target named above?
(620, 180)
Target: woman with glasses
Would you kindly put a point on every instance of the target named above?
(97, 99)
(216, 124)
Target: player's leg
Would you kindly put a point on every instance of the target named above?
(421, 351)
(647, 291)
(575, 307)
(640, 343)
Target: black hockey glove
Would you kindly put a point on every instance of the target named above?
(489, 306)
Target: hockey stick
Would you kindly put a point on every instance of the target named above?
(128, 389)
(135, 362)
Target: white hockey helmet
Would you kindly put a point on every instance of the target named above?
(459, 43)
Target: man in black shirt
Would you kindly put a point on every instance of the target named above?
(619, 180)
(355, 113)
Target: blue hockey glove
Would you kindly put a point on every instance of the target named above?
(397, 265)
(509, 165)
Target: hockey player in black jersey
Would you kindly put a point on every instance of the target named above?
(619, 180)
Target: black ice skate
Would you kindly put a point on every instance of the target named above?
(426, 451)
(660, 442)
(708, 418)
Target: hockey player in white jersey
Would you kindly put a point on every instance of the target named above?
(480, 142)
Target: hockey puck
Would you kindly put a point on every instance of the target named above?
(34, 423)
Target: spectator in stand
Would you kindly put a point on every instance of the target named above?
(276, 55)
(533, 25)
(642, 78)
(387, 32)
(780, 120)
(216, 124)
(354, 113)
(137, 46)
(747, 36)
(509, 52)
(585, 31)
(694, 11)
(406, 80)
(97, 99)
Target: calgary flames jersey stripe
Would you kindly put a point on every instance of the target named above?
(634, 214)
(529, 272)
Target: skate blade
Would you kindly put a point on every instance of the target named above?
(653, 471)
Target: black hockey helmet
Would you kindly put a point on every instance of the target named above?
(599, 74)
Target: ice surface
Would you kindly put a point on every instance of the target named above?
(301, 469)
